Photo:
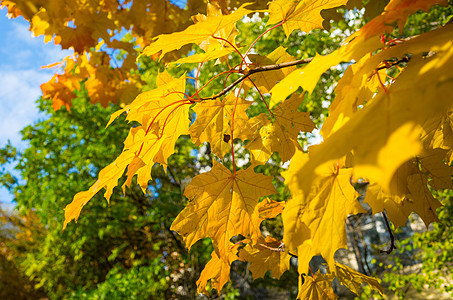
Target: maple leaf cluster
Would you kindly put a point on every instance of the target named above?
(93, 30)
(394, 133)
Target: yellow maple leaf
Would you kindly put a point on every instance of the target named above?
(420, 200)
(392, 121)
(357, 86)
(440, 173)
(393, 205)
(318, 287)
(265, 255)
(319, 219)
(108, 179)
(222, 205)
(408, 190)
(353, 280)
(304, 15)
(281, 135)
(214, 119)
(290, 120)
(201, 33)
(217, 270)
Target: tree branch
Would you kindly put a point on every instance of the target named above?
(281, 66)
(395, 62)
(392, 238)
(258, 70)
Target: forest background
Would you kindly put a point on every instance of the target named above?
(127, 249)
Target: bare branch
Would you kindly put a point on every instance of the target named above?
(392, 238)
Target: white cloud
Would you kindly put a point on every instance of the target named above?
(19, 90)
(25, 51)
(21, 58)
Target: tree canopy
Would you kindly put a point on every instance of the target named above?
(221, 111)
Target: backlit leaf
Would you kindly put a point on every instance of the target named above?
(217, 270)
(354, 280)
(303, 15)
(319, 218)
(222, 205)
(266, 255)
(214, 119)
(164, 115)
(201, 33)
(318, 287)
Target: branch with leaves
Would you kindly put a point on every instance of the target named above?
(225, 203)
(386, 125)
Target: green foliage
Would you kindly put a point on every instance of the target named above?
(147, 282)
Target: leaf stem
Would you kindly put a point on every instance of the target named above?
(154, 119)
(312, 275)
(262, 97)
(234, 47)
(196, 78)
(232, 128)
(166, 119)
(256, 40)
(210, 80)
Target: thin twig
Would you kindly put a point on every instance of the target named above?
(394, 63)
(392, 238)
(175, 239)
(292, 255)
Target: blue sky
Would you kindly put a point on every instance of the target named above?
(21, 58)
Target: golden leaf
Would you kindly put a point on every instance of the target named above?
(318, 287)
(408, 191)
(353, 280)
(265, 255)
(392, 121)
(222, 205)
(164, 116)
(201, 33)
(319, 219)
(432, 162)
(362, 42)
(302, 15)
(281, 135)
(213, 122)
(217, 270)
